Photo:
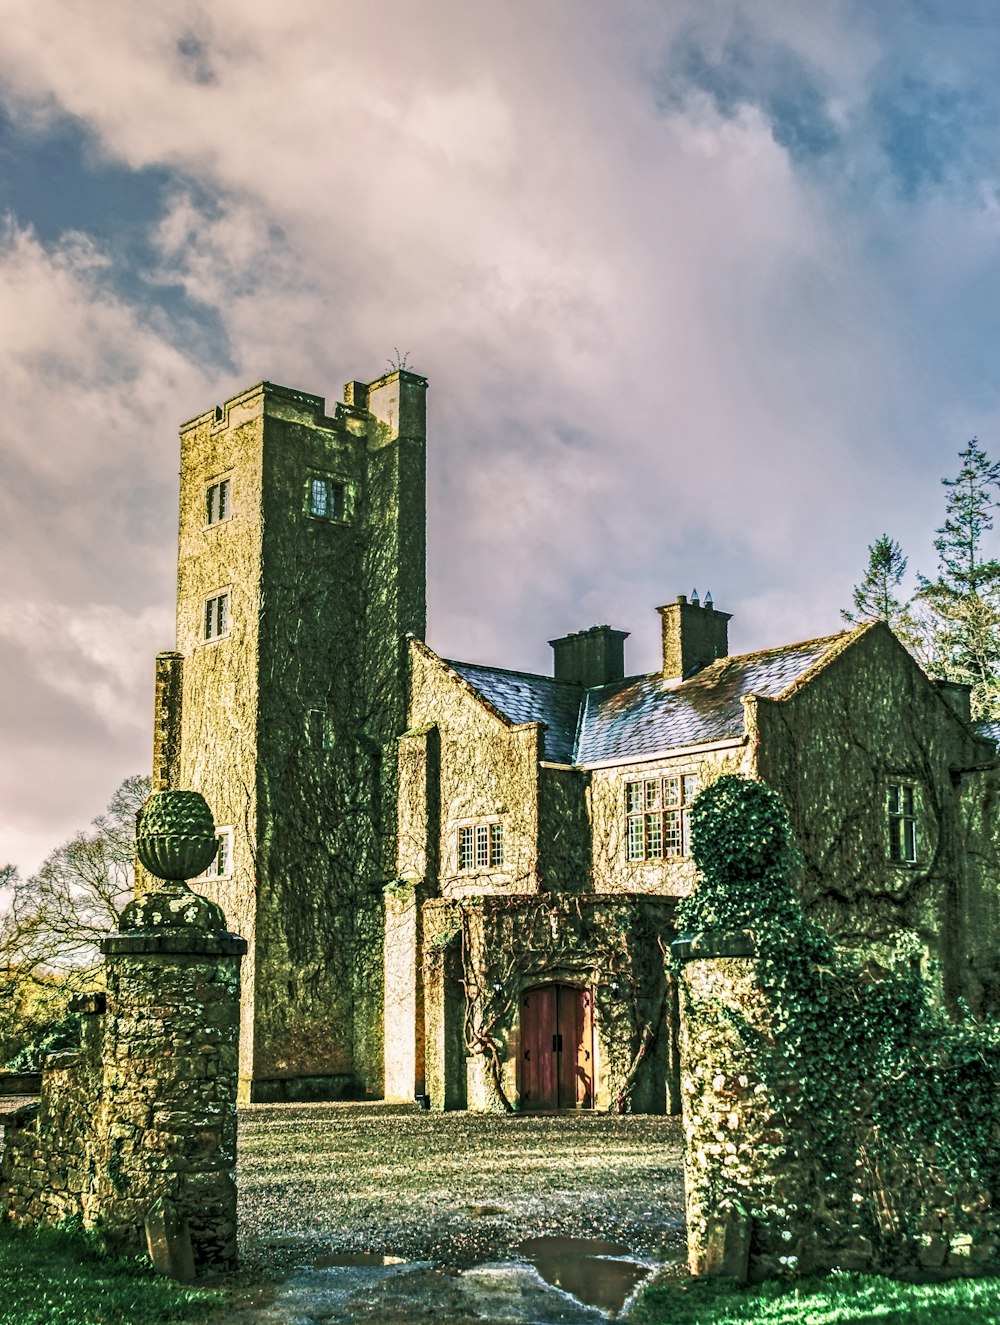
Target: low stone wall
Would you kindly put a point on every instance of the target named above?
(49, 1167)
(760, 1199)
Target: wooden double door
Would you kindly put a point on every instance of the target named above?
(557, 1048)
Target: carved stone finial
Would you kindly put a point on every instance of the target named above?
(175, 840)
(176, 835)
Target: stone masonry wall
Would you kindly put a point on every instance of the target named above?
(49, 1167)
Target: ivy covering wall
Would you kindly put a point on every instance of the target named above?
(835, 1113)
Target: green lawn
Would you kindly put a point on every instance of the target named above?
(51, 1276)
(839, 1299)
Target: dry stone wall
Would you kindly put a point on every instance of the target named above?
(49, 1167)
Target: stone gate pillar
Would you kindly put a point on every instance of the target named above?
(171, 1054)
(751, 1179)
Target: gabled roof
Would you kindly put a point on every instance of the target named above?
(525, 697)
(645, 715)
(648, 714)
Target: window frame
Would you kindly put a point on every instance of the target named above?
(331, 481)
(481, 841)
(224, 487)
(902, 819)
(657, 822)
(224, 596)
(224, 835)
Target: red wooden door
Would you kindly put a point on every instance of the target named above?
(557, 1048)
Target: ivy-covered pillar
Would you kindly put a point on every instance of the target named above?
(171, 1054)
(405, 1074)
(758, 1200)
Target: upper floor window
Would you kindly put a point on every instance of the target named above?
(218, 501)
(480, 846)
(222, 866)
(901, 808)
(216, 623)
(326, 497)
(656, 810)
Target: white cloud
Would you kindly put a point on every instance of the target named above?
(660, 353)
(98, 655)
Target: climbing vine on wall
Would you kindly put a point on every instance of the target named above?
(615, 947)
(883, 1079)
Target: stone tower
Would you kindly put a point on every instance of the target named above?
(301, 570)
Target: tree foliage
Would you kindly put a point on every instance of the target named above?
(55, 920)
(952, 623)
(875, 598)
(964, 598)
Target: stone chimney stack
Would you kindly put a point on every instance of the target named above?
(694, 635)
(591, 657)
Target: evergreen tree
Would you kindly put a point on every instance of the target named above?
(875, 597)
(964, 600)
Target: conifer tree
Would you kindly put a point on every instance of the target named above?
(875, 598)
(964, 600)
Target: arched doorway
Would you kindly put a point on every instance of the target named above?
(557, 1048)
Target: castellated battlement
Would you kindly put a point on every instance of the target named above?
(268, 398)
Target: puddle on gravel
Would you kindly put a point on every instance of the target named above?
(351, 1258)
(601, 1274)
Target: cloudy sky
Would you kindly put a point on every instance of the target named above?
(707, 293)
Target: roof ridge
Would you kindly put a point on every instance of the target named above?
(781, 648)
(514, 671)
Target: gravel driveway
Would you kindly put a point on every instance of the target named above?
(456, 1188)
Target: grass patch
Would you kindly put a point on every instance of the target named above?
(60, 1276)
(837, 1299)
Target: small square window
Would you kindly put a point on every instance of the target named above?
(321, 730)
(218, 503)
(216, 621)
(326, 498)
(480, 846)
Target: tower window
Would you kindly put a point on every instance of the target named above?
(216, 623)
(321, 731)
(218, 501)
(222, 866)
(326, 498)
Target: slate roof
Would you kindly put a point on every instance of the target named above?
(643, 715)
(525, 697)
(647, 714)
(990, 731)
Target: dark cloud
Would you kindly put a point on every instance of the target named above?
(753, 69)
